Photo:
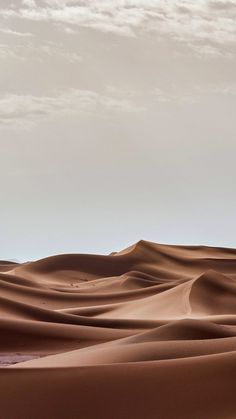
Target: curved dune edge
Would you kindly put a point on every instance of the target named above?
(146, 332)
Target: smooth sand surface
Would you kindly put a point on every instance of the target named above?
(148, 332)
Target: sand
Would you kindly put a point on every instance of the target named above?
(148, 332)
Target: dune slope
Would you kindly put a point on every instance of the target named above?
(146, 332)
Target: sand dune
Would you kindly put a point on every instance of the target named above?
(147, 332)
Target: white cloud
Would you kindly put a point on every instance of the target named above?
(225, 89)
(6, 52)
(29, 3)
(27, 109)
(208, 21)
(21, 110)
(193, 93)
(9, 31)
(222, 5)
(56, 49)
(174, 96)
(28, 50)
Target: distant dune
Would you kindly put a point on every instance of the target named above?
(148, 332)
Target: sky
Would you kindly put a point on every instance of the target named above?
(117, 123)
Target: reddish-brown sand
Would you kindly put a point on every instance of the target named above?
(149, 332)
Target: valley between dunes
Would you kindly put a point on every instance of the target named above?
(148, 332)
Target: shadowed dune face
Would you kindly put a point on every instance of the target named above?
(153, 321)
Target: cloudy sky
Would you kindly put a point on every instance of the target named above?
(117, 122)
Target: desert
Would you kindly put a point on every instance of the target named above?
(149, 331)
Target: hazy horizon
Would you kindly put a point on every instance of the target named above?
(117, 123)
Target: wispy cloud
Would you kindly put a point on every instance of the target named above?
(222, 5)
(194, 93)
(210, 21)
(28, 50)
(6, 52)
(29, 3)
(9, 31)
(25, 110)
(56, 49)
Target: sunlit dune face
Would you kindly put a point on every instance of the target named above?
(154, 317)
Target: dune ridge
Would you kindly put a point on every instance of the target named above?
(149, 331)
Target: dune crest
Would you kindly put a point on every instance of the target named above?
(149, 331)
